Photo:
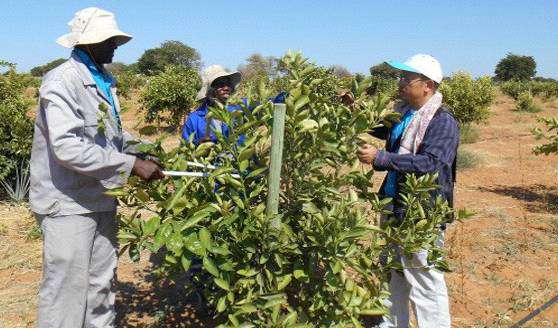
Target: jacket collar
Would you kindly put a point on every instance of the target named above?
(84, 72)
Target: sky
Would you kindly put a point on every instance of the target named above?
(463, 35)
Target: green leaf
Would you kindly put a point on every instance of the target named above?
(210, 266)
(299, 274)
(284, 282)
(300, 102)
(185, 262)
(222, 283)
(205, 238)
(222, 304)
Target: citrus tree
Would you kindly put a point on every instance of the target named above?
(550, 135)
(323, 261)
(170, 94)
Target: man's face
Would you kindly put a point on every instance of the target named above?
(412, 86)
(223, 88)
(103, 52)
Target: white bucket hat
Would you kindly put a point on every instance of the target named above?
(422, 64)
(92, 25)
(211, 74)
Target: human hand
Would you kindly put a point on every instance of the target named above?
(147, 170)
(367, 153)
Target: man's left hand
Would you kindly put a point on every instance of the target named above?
(367, 154)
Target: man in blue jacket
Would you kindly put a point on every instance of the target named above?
(424, 141)
(217, 85)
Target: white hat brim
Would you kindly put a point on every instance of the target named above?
(71, 40)
(235, 77)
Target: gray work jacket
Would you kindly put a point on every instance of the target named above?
(72, 162)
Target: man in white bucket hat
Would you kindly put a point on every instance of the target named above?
(217, 86)
(79, 152)
(424, 141)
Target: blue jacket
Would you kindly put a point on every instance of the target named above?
(196, 124)
(436, 154)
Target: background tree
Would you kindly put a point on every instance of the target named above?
(340, 71)
(170, 94)
(258, 67)
(41, 70)
(383, 70)
(515, 67)
(176, 53)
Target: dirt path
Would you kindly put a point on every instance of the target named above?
(505, 258)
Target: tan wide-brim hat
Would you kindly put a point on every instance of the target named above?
(92, 25)
(211, 74)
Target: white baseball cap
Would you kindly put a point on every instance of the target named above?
(422, 64)
(92, 25)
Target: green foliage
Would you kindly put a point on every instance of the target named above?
(317, 263)
(127, 82)
(468, 99)
(170, 94)
(383, 85)
(385, 71)
(515, 67)
(545, 89)
(468, 134)
(170, 53)
(39, 71)
(16, 128)
(467, 159)
(19, 190)
(551, 136)
(525, 102)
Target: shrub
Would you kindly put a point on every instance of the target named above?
(467, 159)
(16, 128)
(468, 99)
(169, 95)
(127, 82)
(317, 263)
(383, 85)
(551, 135)
(525, 102)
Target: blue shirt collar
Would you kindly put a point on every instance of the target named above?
(88, 62)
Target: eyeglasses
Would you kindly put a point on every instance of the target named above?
(403, 78)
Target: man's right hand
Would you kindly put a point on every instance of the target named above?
(147, 170)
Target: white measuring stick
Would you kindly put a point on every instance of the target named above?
(193, 174)
(196, 164)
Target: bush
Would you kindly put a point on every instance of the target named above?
(383, 85)
(467, 159)
(551, 135)
(170, 94)
(545, 89)
(127, 82)
(16, 128)
(317, 263)
(468, 99)
(525, 102)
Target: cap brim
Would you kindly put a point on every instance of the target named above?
(401, 66)
(71, 40)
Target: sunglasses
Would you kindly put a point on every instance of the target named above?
(409, 79)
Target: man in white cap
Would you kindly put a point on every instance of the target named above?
(79, 152)
(424, 141)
